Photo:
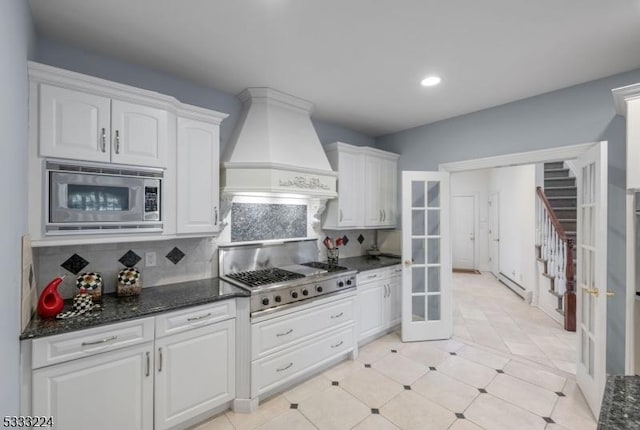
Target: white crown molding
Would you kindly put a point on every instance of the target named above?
(560, 153)
(624, 94)
(272, 96)
(277, 166)
(355, 149)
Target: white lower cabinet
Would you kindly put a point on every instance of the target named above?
(120, 377)
(112, 390)
(195, 372)
(379, 301)
(289, 346)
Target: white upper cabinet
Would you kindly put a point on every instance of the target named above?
(367, 187)
(88, 127)
(198, 176)
(346, 211)
(627, 100)
(74, 124)
(139, 134)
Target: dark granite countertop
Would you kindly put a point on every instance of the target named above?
(364, 262)
(151, 301)
(620, 404)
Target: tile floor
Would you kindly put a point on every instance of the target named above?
(466, 383)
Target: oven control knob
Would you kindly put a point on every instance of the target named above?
(305, 292)
(265, 301)
(348, 281)
(340, 284)
(319, 288)
(278, 299)
(294, 294)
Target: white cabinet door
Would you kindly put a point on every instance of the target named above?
(388, 191)
(633, 144)
(372, 305)
(139, 134)
(195, 372)
(74, 124)
(394, 301)
(198, 176)
(350, 189)
(108, 391)
(372, 191)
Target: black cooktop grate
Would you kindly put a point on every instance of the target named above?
(325, 266)
(256, 278)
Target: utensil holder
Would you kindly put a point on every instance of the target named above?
(332, 255)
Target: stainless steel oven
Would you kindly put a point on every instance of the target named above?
(92, 198)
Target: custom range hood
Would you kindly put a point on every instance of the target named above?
(275, 150)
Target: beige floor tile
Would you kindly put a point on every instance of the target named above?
(400, 368)
(267, 411)
(539, 377)
(573, 413)
(471, 373)
(394, 339)
(566, 366)
(492, 413)
(485, 358)
(342, 370)
(371, 387)
(334, 409)
(465, 425)
(374, 351)
(307, 388)
(425, 353)
(528, 396)
(221, 422)
(526, 349)
(555, 427)
(375, 422)
(291, 420)
(411, 411)
(445, 391)
(448, 345)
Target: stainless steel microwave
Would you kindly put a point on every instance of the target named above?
(93, 198)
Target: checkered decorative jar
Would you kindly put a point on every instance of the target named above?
(92, 283)
(129, 282)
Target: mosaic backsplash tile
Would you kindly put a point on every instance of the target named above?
(175, 255)
(130, 259)
(75, 264)
(259, 221)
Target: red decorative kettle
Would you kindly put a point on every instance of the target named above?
(50, 302)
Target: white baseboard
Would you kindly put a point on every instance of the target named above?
(514, 286)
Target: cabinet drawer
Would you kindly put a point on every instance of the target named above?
(85, 343)
(278, 333)
(370, 276)
(179, 321)
(269, 372)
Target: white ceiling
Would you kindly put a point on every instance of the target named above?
(361, 61)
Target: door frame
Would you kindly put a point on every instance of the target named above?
(476, 227)
(491, 225)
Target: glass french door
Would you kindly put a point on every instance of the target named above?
(591, 274)
(426, 280)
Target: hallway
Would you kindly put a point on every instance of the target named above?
(489, 314)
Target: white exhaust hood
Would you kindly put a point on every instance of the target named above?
(275, 150)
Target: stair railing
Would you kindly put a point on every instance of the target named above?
(556, 248)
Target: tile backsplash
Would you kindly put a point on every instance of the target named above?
(259, 221)
(353, 248)
(176, 261)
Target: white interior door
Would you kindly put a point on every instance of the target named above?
(426, 253)
(591, 288)
(494, 233)
(463, 231)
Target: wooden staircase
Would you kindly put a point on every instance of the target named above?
(556, 234)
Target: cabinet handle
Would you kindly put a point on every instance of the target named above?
(384, 214)
(97, 342)
(337, 344)
(380, 219)
(340, 215)
(103, 140)
(215, 211)
(337, 316)
(159, 360)
(117, 142)
(285, 333)
(372, 276)
(199, 318)
(282, 369)
(148, 363)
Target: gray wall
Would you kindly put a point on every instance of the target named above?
(16, 45)
(57, 54)
(579, 114)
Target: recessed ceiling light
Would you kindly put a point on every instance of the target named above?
(430, 81)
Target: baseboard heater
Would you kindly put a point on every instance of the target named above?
(512, 285)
